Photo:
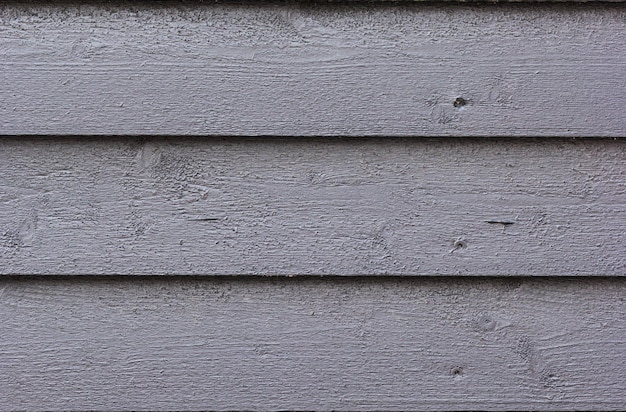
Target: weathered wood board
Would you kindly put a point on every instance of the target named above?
(317, 69)
(406, 206)
(312, 344)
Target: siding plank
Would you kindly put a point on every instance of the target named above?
(312, 344)
(410, 206)
(322, 69)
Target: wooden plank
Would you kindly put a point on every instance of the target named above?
(490, 206)
(312, 344)
(312, 69)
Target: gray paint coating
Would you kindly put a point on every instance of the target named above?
(270, 206)
(156, 206)
(317, 69)
(297, 206)
(312, 344)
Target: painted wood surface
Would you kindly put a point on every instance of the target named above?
(312, 344)
(490, 206)
(318, 69)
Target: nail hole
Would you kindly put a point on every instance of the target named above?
(457, 371)
(459, 102)
(460, 244)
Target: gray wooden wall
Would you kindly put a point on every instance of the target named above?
(316, 206)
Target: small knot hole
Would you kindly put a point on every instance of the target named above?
(459, 102)
(457, 371)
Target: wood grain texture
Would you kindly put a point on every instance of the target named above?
(206, 206)
(312, 344)
(312, 69)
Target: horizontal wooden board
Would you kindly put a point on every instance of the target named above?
(312, 69)
(312, 344)
(408, 206)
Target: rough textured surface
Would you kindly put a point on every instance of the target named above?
(299, 206)
(312, 344)
(312, 206)
(298, 69)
